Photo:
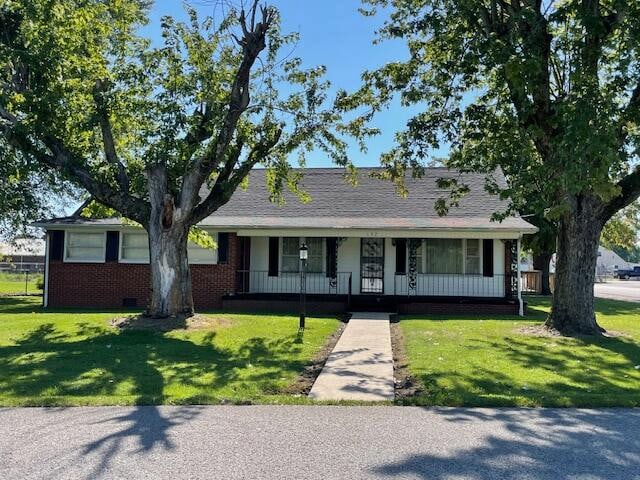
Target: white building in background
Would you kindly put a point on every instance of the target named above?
(608, 262)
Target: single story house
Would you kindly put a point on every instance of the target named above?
(368, 248)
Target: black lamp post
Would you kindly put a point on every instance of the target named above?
(304, 253)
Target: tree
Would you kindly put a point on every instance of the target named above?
(162, 135)
(549, 91)
(621, 232)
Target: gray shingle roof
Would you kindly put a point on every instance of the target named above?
(373, 203)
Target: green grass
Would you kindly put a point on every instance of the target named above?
(17, 284)
(486, 362)
(75, 358)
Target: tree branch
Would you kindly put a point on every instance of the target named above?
(630, 191)
(252, 43)
(107, 135)
(229, 179)
(61, 159)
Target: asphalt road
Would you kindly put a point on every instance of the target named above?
(628, 290)
(319, 443)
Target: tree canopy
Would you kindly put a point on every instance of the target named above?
(547, 90)
(161, 134)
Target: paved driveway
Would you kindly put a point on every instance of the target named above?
(319, 443)
(628, 290)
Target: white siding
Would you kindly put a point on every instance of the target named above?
(349, 262)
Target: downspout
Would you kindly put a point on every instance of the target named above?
(520, 302)
(45, 294)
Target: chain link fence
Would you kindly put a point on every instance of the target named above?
(21, 278)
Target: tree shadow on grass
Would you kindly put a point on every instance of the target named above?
(535, 444)
(45, 366)
(98, 365)
(586, 372)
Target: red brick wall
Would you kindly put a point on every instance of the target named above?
(105, 285)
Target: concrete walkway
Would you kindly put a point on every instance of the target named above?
(361, 364)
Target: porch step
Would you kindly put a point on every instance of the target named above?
(374, 303)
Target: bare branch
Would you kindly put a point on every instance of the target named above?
(253, 42)
(107, 135)
(229, 179)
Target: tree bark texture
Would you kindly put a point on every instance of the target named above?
(572, 310)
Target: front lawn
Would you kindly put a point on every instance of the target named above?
(20, 284)
(75, 358)
(489, 361)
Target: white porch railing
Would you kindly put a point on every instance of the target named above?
(451, 285)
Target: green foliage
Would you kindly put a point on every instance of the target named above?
(82, 91)
(622, 231)
(547, 91)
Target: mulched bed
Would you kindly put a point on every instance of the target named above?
(406, 384)
(142, 322)
(302, 385)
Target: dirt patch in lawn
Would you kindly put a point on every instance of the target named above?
(544, 331)
(142, 322)
(302, 385)
(405, 384)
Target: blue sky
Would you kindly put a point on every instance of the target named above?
(333, 33)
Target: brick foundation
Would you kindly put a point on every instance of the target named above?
(107, 285)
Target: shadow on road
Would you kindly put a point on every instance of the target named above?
(556, 444)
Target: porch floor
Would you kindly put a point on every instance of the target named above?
(360, 367)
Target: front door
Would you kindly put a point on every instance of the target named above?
(372, 265)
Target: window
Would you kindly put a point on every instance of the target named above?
(84, 247)
(315, 256)
(443, 255)
(198, 254)
(472, 260)
(134, 248)
(290, 254)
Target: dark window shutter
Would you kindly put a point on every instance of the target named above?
(274, 250)
(401, 256)
(332, 253)
(56, 245)
(223, 247)
(113, 244)
(487, 257)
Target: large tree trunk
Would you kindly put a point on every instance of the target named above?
(541, 262)
(572, 310)
(171, 293)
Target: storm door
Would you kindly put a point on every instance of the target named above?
(372, 265)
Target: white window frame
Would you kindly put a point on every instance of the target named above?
(480, 256)
(214, 261)
(423, 259)
(302, 240)
(121, 259)
(66, 257)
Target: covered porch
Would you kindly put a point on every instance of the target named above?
(378, 270)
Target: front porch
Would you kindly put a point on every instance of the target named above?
(373, 273)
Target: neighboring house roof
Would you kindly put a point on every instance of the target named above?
(23, 247)
(373, 203)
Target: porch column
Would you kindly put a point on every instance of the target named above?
(520, 302)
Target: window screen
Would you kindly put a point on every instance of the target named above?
(443, 255)
(88, 247)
